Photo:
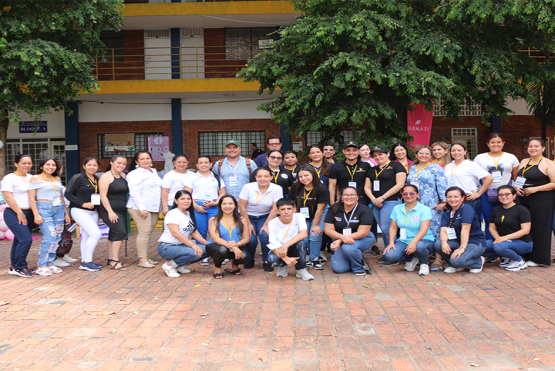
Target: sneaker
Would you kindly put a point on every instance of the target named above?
(381, 260)
(282, 272)
(225, 261)
(89, 267)
(515, 266)
(68, 259)
(505, 262)
(21, 272)
(182, 270)
(478, 270)
(323, 256)
(424, 270)
(492, 260)
(304, 275)
(30, 271)
(362, 273)
(61, 263)
(453, 269)
(170, 271)
(389, 264)
(267, 267)
(249, 265)
(530, 263)
(43, 271)
(205, 261)
(375, 250)
(54, 269)
(316, 264)
(410, 266)
(98, 265)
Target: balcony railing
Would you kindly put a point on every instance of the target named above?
(160, 63)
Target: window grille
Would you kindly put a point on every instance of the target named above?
(468, 137)
(466, 110)
(141, 144)
(113, 42)
(37, 149)
(212, 143)
(242, 43)
(315, 137)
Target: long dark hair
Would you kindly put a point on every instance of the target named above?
(133, 164)
(392, 156)
(190, 209)
(325, 169)
(300, 189)
(213, 173)
(44, 161)
(236, 216)
(114, 158)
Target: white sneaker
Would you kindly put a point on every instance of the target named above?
(530, 263)
(69, 259)
(182, 269)
(205, 261)
(478, 270)
(424, 270)
(54, 269)
(505, 262)
(282, 272)
(410, 266)
(323, 256)
(304, 275)
(61, 263)
(453, 269)
(225, 261)
(515, 266)
(170, 271)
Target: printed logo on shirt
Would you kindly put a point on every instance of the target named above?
(416, 219)
(285, 176)
(355, 221)
(361, 171)
(338, 219)
(189, 228)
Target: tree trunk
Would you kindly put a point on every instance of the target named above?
(3, 137)
(544, 119)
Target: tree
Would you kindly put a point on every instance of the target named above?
(358, 64)
(543, 107)
(47, 49)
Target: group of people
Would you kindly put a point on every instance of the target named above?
(431, 207)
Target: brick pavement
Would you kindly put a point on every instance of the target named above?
(392, 320)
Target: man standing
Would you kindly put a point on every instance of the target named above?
(329, 152)
(235, 170)
(350, 172)
(273, 142)
(255, 151)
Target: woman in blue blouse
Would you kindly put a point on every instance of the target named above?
(319, 163)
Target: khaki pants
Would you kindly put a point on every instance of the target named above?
(145, 227)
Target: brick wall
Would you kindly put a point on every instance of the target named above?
(133, 66)
(216, 64)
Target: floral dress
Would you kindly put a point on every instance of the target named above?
(432, 184)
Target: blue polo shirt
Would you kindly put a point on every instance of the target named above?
(412, 220)
(464, 215)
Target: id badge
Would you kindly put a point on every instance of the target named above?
(347, 231)
(415, 183)
(451, 234)
(520, 182)
(496, 176)
(353, 184)
(208, 196)
(233, 181)
(95, 199)
(273, 246)
(304, 212)
(376, 185)
(403, 233)
(56, 202)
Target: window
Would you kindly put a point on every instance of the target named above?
(141, 144)
(114, 46)
(466, 110)
(314, 137)
(468, 137)
(37, 149)
(212, 143)
(242, 43)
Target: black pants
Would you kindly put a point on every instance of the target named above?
(220, 253)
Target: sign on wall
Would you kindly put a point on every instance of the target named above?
(158, 146)
(31, 126)
(120, 142)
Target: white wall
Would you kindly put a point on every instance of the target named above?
(518, 106)
(55, 126)
(138, 111)
(221, 111)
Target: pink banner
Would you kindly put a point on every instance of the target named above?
(419, 125)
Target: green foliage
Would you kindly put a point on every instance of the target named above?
(47, 49)
(358, 64)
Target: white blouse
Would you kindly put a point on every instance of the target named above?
(145, 190)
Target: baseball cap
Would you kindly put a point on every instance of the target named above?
(232, 141)
(351, 144)
(379, 148)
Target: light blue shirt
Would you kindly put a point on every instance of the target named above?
(240, 171)
(411, 221)
(45, 190)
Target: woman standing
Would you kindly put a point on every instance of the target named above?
(412, 219)
(280, 176)
(291, 162)
(400, 154)
(319, 163)
(18, 215)
(312, 199)
(502, 166)
(364, 152)
(145, 189)
(82, 193)
(46, 195)
(535, 184)
(175, 180)
(174, 244)
(440, 152)
(227, 240)
(466, 175)
(113, 190)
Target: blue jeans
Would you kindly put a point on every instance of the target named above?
(423, 249)
(202, 219)
(477, 206)
(297, 250)
(258, 222)
(489, 253)
(471, 258)
(513, 249)
(22, 237)
(487, 208)
(52, 226)
(349, 257)
(181, 254)
(383, 218)
(313, 240)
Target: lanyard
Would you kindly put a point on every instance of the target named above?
(227, 227)
(22, 177)
(527, 168)
(306, 195)
(276, 176)
(286, 232)
(354, 171)
(265, 194)
(455, 167)
(95, 184)
(53, 182)
(378, 174)
(418, 172)
(352, 213)
(408, 216)
(316, 169)
(496, 163)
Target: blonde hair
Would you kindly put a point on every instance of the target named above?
(447, 157)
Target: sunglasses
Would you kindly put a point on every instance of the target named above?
(406, 194)
(275, 157)
(329, 150)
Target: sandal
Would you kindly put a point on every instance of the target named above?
(236, 272)
(219, 276)
(437, 263)
(115, 265)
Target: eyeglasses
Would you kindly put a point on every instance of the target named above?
(349, 196)
(504, 194)
(405, 194)
(275, 158)
(274, 144)
(329, 150)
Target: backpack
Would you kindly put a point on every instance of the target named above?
(65, 244)
(220, 162)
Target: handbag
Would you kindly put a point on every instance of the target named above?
(492, 195)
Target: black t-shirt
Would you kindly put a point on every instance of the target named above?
(362, 215)
(257, 152)
(283, 178)
(321, 196)
(509, 220)
(345, 173)
(387, 178)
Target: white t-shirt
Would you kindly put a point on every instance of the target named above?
(467, 175)
(19, 187)
(205, 188)
(186, 226)
(175, 182)
(281, 233)
(506, 164)
(257, 203)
